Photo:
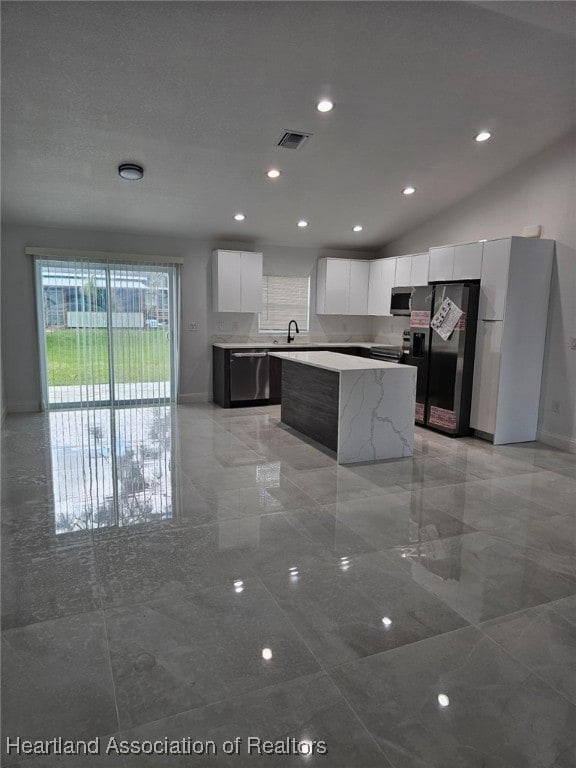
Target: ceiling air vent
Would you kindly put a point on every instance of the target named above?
(293, 139)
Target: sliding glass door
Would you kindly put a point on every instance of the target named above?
(108, 332)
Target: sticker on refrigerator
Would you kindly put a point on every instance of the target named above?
(419, 318)
(446, 319)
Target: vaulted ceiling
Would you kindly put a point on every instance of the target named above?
(199, 93)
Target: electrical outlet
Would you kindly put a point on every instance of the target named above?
(192, 326)
(573, 343)
(555, 406)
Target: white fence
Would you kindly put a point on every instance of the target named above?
(100, 319)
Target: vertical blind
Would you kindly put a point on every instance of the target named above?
(284, 299)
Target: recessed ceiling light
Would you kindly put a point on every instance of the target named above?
(357, 228)
(387, 621)
(325, 105)
(482, 241)
(239, 217)
(273, 173)
(130, 171)
(483, 136)
(408, 190)
(443, 700)
(302, 223)
(266, 654)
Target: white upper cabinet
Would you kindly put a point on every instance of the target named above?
(380, 284)
(336, 286)
(419, 267)
(455, 262)
(342, 287)
(494, 279)
(467, 261)
(441, 264)
(236, 281)
(403, 271)
(250, 282)
(358, 295)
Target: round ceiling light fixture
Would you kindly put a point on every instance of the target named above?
(483, 136)
(130, 171)
(302, 223)
(408, 190)
(325, 105)
(239, 216)
(273, 173)
(357, 228)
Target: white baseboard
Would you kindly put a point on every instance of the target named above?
(557, 441)
(32, 406)
(194, 397)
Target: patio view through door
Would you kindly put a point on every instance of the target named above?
(107, 332)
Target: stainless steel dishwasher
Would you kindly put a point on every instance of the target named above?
(249, 376)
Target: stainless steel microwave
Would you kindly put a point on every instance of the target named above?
(400, 303)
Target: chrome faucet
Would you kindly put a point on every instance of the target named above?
(291, 338)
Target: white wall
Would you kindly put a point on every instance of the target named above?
(541, 191)
(2, 403)
(19, 333)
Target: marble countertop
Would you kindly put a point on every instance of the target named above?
(333, 361)
(296, 343)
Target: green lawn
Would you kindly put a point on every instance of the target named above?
(81, 357)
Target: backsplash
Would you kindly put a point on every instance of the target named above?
(382, 330)
(243, 328)
(388, 330)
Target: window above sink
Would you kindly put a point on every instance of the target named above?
(284, 298)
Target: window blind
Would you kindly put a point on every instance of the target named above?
(284, 299)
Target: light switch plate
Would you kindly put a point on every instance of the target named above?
(192, 326)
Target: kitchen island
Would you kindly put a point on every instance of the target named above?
(361, 409)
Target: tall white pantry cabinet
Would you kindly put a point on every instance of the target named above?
(511, 337)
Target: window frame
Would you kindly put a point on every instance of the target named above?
(270, 331)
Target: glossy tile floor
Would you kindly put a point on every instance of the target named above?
(207, 573)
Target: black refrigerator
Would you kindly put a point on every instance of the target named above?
(444, 356)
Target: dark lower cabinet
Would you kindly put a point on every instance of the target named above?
(275, 380)
(221, 376)
(221, 372)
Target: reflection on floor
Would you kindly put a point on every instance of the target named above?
(110, 467)
(206, 573)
